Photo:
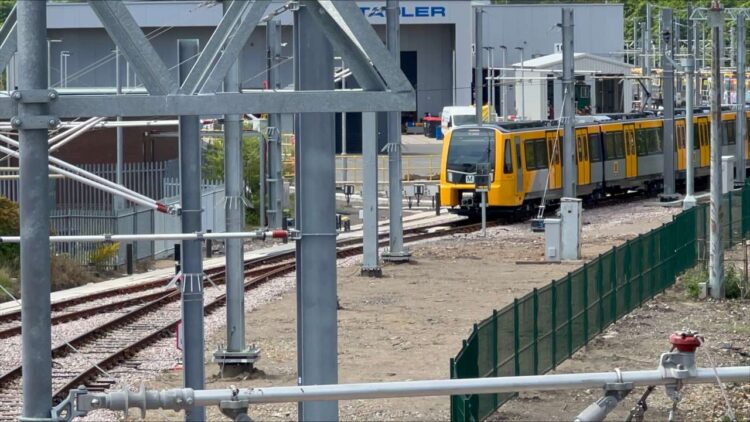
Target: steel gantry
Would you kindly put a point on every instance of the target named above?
(33, 108)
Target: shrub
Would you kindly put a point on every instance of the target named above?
(699, 274)
(692, 279)
(66, 273)
(732, 283)
(9, 226)
(9, 283)
(102, 255)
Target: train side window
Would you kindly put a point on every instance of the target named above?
(530, 153)
(731, 132)
(508, 158)
(641, 138)
(540, 147)
(595, 147)
(654, 141)
(723, 129)
(614, 147)
(697, 136)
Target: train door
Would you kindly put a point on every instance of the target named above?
(704, 140)
(631, 159)
(680, 145)
(553, 157)
(582, 154)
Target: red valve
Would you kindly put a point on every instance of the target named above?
(685, 342)
(279, 234)
(162, 208)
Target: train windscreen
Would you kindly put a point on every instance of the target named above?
(469, 147)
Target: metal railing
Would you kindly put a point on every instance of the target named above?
(349, 168)
(520, 340)
(146, 178)
(133, 220)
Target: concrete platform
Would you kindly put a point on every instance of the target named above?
(415, 220)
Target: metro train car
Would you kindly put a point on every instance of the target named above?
(614, 154)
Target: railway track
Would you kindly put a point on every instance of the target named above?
(150, 317)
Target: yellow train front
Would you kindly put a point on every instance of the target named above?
(614, 154)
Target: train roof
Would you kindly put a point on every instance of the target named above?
(595, 119)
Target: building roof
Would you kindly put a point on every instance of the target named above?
(550, 60)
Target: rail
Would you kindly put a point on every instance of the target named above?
(518, 340)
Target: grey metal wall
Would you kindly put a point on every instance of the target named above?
(598, 29)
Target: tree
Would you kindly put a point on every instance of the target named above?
(213, 169)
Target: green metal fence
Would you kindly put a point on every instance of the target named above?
(540, 330)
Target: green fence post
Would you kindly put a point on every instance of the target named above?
(729, 198)
(554, 324)
(570, 315)
(585, 292)
(454, 399)
(494, 353)
(535, 331)
(600, 288)
(627, 274)
(516, 339)
(640, 271)
(613, 285)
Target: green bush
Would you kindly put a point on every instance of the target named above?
(699, 274)
(213, 169)
(102, 255)
(9, 226)
(9, 281)
(732, 283)
(692, 279)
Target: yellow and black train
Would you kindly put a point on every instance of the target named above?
(614, 154)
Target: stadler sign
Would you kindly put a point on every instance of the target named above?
(407, 11)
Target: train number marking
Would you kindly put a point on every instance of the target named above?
(469, 178)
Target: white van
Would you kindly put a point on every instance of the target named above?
(453, 116)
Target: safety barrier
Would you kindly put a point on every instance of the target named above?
(545, 327)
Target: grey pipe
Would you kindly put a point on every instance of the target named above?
(165, 399)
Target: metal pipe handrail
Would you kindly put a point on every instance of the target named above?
(186, 398)
(259, 234)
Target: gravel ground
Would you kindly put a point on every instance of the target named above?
(408, 324)
(635, 343)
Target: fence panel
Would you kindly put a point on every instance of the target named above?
(129, 221)
(582, 304)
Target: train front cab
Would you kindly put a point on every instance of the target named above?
(467, 145)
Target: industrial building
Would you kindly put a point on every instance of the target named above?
(436, 50)
(602, 86)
